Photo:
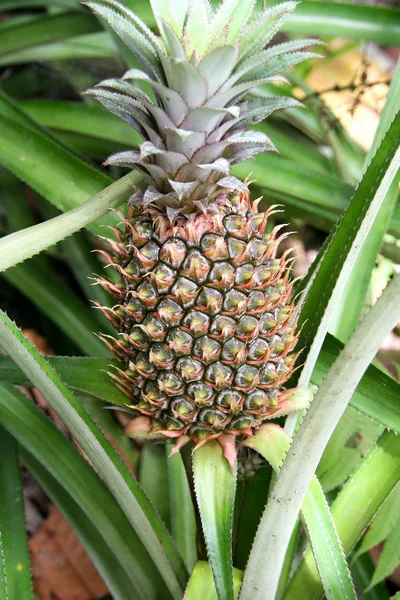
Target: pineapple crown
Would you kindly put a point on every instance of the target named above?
(195, 120)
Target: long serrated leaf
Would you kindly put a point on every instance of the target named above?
(39, 436)
(217, 66)
(19, 246)
(306, 450)
(390, 557)
(326, 546)
(355, 290)
(3, 576)
(215, 491)
(137, 43)
(48, 29)
(14, 540)
(352, 510)
(63, 307)
(81, 118)
(201, 583)
(355, 21)
(273, 443)
(153, 478)
(122, 484)
(261, 29)
(183, 517)
(104, 559)
(383, 524)
(92, 45)
(362, 571)
(339, 252)
(29, 154)
(232, 17)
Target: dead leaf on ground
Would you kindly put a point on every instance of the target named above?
(61, 568)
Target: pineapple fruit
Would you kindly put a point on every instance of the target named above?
(203, 311)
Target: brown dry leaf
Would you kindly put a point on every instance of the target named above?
(37, 340)
(60, 566)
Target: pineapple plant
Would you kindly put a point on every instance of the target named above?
(206, 332)
(206, 325)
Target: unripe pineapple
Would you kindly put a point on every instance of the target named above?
(203, 311)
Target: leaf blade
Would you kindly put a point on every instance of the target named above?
(14, 540)
(215, 492)
(115, 473)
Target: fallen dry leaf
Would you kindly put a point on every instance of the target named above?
(61, 568)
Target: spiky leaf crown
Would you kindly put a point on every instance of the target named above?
(197, 123)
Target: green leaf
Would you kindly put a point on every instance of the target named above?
(355, 21)
(368, 398)
(201, 583)
(19, 246)
(105, 459)
(309, 443)
(81, 118)
(362, 571)
(153, 478)
(273, 444)
(14, 540)
(111, 427)
(355, 290)
(335, 261)
(62, 306)
(352, 510)
(215, 491)
(390, 557)
(277, 174)
(93, 45)
(84, 375)
(354, 435)
(46, 29)
(104, 559)
(326, 546)
(251, 496)
(47, 167)
(85, 266)
(37, 434)
(3, 577)
(183, 518)
(383, 524)
(11, 4)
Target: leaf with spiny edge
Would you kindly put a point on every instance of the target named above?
(218, 66)
(262, 66)
(232, 16)
(189, 83)
(273, 443)
(196, 34)
(136, 22)
(262, 28)
(215, 491)
(173, 103)
(172, 42)
(390, 557)
(226, 97)
(124, 87)
(140, 47)
(125, 107)
(383, 525)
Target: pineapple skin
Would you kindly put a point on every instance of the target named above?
(205, 321)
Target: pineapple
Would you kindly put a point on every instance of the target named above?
(206, 326)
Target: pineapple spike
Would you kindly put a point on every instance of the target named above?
(206, 327)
